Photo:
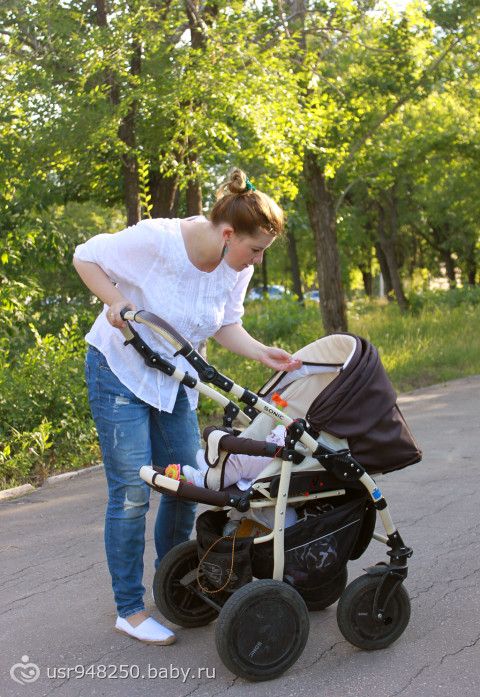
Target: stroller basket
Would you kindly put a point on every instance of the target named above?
(317, 548)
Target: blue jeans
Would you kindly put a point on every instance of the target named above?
(132, 434)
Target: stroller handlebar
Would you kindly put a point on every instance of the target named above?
(160, 326)
(183, 347)
(206, 372)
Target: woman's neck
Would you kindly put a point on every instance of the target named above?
(202, 244)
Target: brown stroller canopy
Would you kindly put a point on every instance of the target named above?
(359, 404)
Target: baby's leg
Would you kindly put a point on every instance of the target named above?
(243, 467)
(193, 476)
(236, 467)
(247, 466)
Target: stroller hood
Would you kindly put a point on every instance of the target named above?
(356, 402)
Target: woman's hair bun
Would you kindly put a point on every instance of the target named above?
(235, 183)
(246, 209)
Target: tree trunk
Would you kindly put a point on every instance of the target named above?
(384, 270)
(367, 281)
(164, 193)
(449, 268)
(194, 198)
(197, 16)
(387, 230)
(321, 213)
(391, 259)
(471, 265)
(126, 133)
(126, 129)
(294, 265)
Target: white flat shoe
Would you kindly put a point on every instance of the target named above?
(149, 631)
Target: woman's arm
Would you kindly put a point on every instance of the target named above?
(235, 338)
(100, 284)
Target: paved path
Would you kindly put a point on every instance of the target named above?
(55, 604)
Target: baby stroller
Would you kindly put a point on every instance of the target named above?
(342, 426)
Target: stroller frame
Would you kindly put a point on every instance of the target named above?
(345, 469)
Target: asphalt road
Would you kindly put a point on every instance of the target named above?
(56, 609)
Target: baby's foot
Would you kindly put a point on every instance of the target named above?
(193, 476)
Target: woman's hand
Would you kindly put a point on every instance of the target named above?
(278, 359)
(235, 338)
(113, 313)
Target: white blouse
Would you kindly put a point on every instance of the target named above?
(149, 264)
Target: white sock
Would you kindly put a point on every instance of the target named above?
(193, 475)
(200, 458)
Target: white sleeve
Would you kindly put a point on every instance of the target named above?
(234, 306)
(127, 255)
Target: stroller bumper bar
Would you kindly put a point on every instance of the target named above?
(155, 478)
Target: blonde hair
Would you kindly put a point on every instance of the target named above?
(247, 210)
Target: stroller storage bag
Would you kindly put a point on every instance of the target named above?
(317, 547)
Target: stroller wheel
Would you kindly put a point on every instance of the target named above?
(176, 601)
(322, 597)
(354, 614)
(262, 630)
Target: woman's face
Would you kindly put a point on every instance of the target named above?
(244, 250)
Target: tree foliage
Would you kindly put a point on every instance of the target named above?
(361, 119)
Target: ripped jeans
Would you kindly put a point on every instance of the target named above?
(132, 434)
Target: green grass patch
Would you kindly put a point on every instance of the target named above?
(435, 343)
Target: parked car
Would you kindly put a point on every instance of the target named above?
(312, 295)
(272, 293)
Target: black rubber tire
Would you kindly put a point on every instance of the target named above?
(176, 602)
(355, 620)
(322, 597)
(262, 630)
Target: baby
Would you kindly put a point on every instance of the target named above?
(241, 470)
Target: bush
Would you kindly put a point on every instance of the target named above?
(45, 424)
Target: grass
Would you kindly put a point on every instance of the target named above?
(435, 342)
(430, 346)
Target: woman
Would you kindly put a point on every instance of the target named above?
(194, 273)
